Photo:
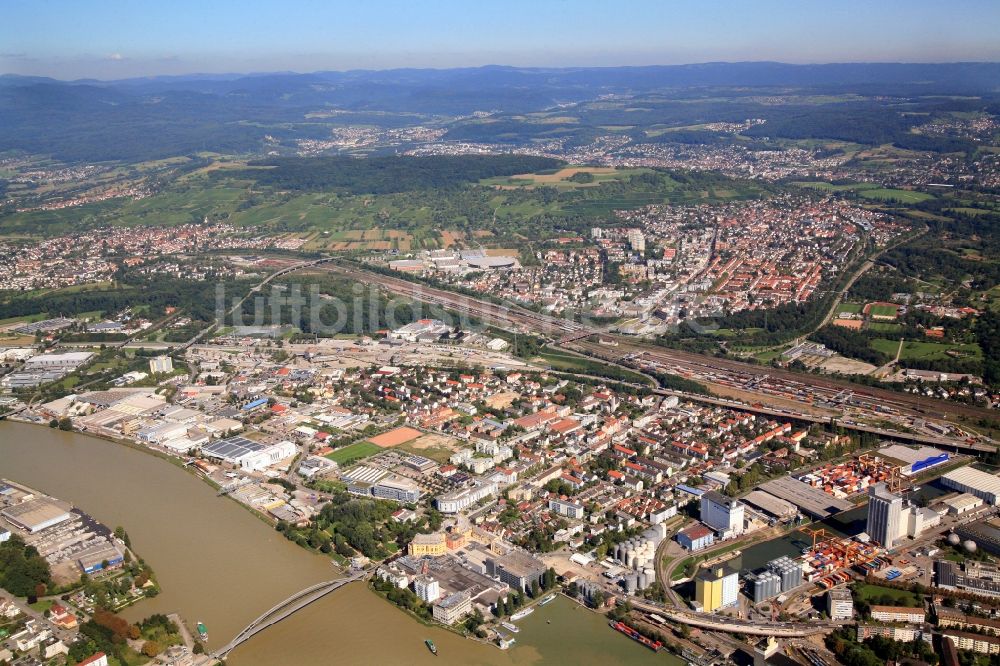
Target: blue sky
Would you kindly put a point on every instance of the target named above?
(113, 39)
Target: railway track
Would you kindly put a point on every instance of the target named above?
(574, 334)
(915, 405)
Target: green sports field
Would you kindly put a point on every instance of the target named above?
(882, 311)
(353, 452)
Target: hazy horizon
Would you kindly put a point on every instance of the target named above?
(111, 40)
(497, 65)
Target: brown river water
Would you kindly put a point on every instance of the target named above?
(218, 564)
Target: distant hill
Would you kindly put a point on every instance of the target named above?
(145, 118)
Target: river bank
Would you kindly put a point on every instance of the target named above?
(214, 561)
(219, 565)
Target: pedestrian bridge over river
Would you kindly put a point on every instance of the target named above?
(283, 610)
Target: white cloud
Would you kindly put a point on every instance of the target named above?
(116, 56)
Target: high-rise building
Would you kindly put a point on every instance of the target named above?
(636, 240)
(723, 514)
(884, 510)
(161, 365)
(716, 587)
(839, 604)
(427, 589)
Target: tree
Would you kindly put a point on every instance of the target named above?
(151, 649)
(549, 579)
(22, 570)
(534, 589)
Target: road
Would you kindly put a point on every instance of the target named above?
(734, 626)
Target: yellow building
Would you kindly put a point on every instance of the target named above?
(427, 544)
(716, 587)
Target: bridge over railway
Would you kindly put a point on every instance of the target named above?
(284, 609)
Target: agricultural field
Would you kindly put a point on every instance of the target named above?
(893, 195)
(831, 187)
(569, 178)
(869, 191)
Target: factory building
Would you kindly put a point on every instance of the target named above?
(765, 585)
(970, 480)
(397, 488)
(518, 568)
(884, 509)
(248, 454)
(453, 607)
(716, 587)
(36, 514)
(100, 557)
(65, 362)
(788, 570)
(723, 514)
(696, 537)
(977, 578)
(891, 519)
(161, 365)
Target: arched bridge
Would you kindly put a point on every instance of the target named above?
(279, 612)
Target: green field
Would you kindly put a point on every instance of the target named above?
(869, 191)
(353, 452)
(876, 593)
(830, 187)
(885, 327)
(577, 364)
(928, 351)
(561, 178)
(850, 308)
(882, 311)
(903, 196)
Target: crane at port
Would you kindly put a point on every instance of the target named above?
(814, 533)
